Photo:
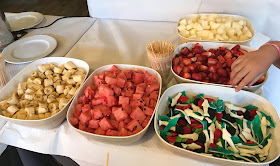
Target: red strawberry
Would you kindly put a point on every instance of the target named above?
(224, 65)
(187, 61)
(175, 61)
(186, 69)
(218, 133)
(194, 59)
(212, 69)
(243, 51)
(213, 76)
(229, 62)
(190, 55)
(222, 72)
(192, 66)
(203, 68)
(185, 51)
(221, 59)
(213, 145)
(197, 76)
(237, 53)
(228, 56)
(187, 130)
(222, 48)
(220, 52)
(207, 53)
(212, 61)
(204, 75)
(201, 58)
(177, 69)
(198, 45)
(219, 115)
(197, 50)
(205, 80)
(187, 75)
(236, 48)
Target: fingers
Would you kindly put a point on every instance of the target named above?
(238, 76)
(254, 80)
(245, 81)
(236, 62)
(237, 68)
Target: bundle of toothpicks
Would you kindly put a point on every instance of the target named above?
(160, 54)
(3, 75)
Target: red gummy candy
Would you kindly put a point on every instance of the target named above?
(189, 141)
(218, 133)
(219, 115)
(187, 130)
(200, 103)
(213, 145)
(250, 142)
(253, 112)
(181, 122)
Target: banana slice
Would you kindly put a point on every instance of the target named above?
(70, 65)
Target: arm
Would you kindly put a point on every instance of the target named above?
(247, 69)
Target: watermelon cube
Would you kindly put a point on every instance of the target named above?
(140, 90)
(138, 77)
(85, 117)
(110, 80)
(128, 86)
(132, 125)
(121, 125)
(128, 93)
(82, 126)
(104, 90)
(97, 81)
(90, 130)
(138, 129)
(151, 88)
(136, 96)
(148, 111)
(86, 108)
(78, 107)
(115, 69)
(120, 114)
(94, 124)
(89, 91)
(154, 95)
(123, 132)
(114, 123)
(153, 103)
(77, 114)
(146, 100)
(112, 132)
(83, 100)
(99, 131)
(123, 100)
(111, 101)
(121, 82)
(128, 73)
(105, 124)
(74, 121)
(138, 115)
(97, 101)
(105, 110)
(127, 108)
(117, 90)
(96, 114)
(122, 75)
(146, 121)
(151, 80)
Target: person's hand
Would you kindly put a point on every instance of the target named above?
(247, 69)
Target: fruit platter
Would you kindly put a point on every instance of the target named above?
(209, 63)
(116, 103)
(201, 121)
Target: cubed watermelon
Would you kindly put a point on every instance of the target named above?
(117, 90)
(123, 100)
(128, 93)
(86, 108)
(146, 100)
(136, 96)
(96, 114)
(123, 132)
(140, 90)
(105, 110)
(74, 121)
(146, 121)
(121, 82)
(97, 81)
(115, 69)
(153, 103)
(90, 130)
(110, 80)
(138, 77)
(128, 73)
(104, 90)
(99, 131)
(127, 108)
(138, 115)
(148, 111)
(94, 124)
(138, 129)
(83, 100)
(154, 95)
(120, 114)
(111, 101)
(128, 85)
(132, 125)
(112, 132)
(85, 117)
(122, 75)
(127, 120)
(114, 123)
(78, 107)
(121, 125)
(151, 80)
(77, 114)
(151, 88)
(97, 101)
(82, 126)
(105, 124)
(89, 91)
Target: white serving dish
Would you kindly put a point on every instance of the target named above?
(207, 46)
(112, 139)
(22, 76)
(235, 17)
(241, 98)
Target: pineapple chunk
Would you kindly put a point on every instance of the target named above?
(228, 24)
(190, 26)
(181, 27)
(184, 33)
(183, 22)
(193, 32)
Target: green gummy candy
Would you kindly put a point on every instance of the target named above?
(240, 122)
(269, 119)
(257, 128)
(235, 140)
(220, 150)
(204, 122)
(168, 134)
(197, 113)
(190, 100)
(220, 106)
(184, 139)
(163, 118)
(184, 93)
(230, 157)
(250, 107)
(178, 139)
(264, 142)
(198, 130)
(169, 100)
(214, 120)
(213, 105)
(200, 95)
(171, 123)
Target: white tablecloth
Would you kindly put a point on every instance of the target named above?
(106, 42)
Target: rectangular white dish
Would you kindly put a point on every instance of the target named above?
(241, 98)
(52, 121)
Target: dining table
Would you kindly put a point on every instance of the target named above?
(100, 42)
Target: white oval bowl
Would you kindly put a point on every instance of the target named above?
(235, 17)
(22, 76)
(112, 139)
(241, 98)
(207, 46)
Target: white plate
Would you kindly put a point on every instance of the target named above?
(22, 76)
(227, 94)
(24, 20)
(29, 49)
